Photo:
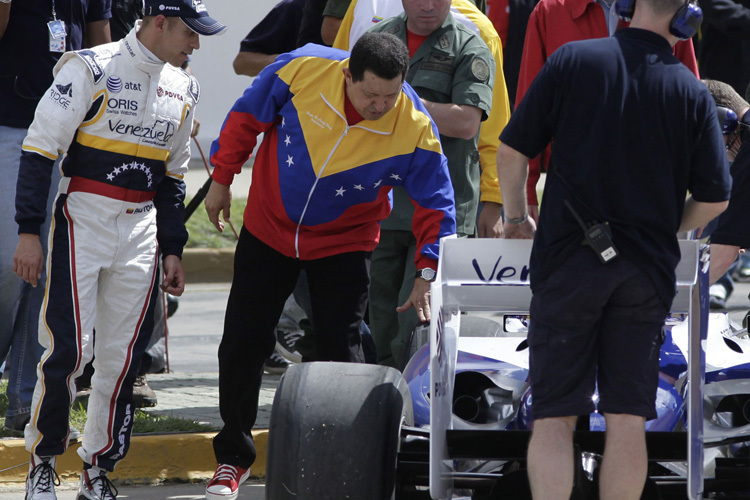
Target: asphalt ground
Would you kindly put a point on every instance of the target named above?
(251, 490)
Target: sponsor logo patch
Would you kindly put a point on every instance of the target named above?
(122, 106)
(66, 89)
(139, 210)
(90, 59)
(61, 95)
(159, 134)
(123, 432)
(198, 6)
(194, 89)
(162, 92)
(130, 49)
(116, 85)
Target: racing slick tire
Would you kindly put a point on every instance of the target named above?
(335, 432)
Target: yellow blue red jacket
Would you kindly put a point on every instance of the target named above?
(320, 187)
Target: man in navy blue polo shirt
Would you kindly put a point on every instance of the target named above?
(28, 51)
(634, 131)
(273, 35)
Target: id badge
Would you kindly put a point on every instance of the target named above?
(57, 35)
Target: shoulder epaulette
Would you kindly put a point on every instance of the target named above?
(89, 57)
(194, 88)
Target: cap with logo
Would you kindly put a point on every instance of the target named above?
(192, 12)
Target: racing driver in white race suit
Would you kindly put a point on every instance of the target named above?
(124, 118)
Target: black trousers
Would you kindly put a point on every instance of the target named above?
(263, 279)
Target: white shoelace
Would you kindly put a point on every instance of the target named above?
(102, 486)
(226, 472)
(291, 336)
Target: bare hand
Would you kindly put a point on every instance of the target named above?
(419, 298)
(534, 212)
(196, 127)
(523, 231)
(490, 223)
(29, 258)
(173, 281)
(218, 199)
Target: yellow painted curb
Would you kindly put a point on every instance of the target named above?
(151, 458)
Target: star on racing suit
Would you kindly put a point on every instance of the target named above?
(123, 118)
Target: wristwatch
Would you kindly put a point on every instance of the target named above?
(517, 220)
(4, 1)
(426, 274)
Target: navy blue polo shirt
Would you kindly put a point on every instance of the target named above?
(25, 60)
(312, 21)
(734, 224)
(277, 32)
(633, 131)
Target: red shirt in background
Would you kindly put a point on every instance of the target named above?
(498, 11)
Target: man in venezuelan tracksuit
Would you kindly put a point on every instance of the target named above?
(339, 134)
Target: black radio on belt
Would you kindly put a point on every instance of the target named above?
(598, 236)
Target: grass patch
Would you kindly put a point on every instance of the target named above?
(144, 423)
(203, 234)
(4, 408)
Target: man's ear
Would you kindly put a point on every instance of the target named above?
(161, 22)
(347, 73)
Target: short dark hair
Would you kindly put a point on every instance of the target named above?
(666, 6)
(726, 97)
(382, 53)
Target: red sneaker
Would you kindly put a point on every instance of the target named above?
(226, 482)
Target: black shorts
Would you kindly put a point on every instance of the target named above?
(595, 325)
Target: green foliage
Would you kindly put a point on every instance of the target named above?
(3, 397)
(3, 408)
(148, 423)
(144, 422)
(77, 417)
(203, 234)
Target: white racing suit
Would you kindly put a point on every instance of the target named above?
(124, 120)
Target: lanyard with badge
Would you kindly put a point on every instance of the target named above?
(57, 32)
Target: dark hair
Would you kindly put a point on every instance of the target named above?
(725, 96)
(666, 6)
(382, 53)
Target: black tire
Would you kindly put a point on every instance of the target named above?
(335, 432)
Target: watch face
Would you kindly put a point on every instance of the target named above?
(427, 274)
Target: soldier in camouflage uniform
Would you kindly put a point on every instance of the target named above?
(452, 70)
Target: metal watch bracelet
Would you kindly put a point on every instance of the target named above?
(518, 220)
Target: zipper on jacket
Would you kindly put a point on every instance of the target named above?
(325, 164)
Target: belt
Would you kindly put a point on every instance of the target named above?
(103, 189)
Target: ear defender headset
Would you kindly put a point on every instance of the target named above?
(728, 120)
(734, 130)
(684, 24)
